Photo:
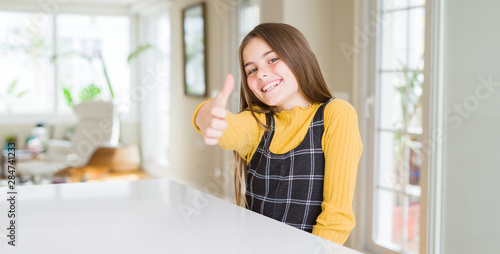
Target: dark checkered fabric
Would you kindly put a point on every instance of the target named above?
(289, 187)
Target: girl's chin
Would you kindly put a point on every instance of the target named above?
(271, 103)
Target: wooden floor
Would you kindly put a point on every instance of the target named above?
(122, 176)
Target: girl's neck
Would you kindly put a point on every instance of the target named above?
(303, 104)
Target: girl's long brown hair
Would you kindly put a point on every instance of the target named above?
(294, 50)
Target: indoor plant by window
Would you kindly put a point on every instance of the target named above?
(93, 92)
(407, 153)
(90, 102)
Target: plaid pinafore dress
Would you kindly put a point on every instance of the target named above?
(289, 187)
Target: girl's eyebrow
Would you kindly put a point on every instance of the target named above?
(264, 55)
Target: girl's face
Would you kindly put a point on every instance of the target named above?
(269, 78)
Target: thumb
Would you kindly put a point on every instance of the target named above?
(223, 96)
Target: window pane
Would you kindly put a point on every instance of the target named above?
(194, 54)
(394, 176)
(27, 74)
(413, 82)
(389, 221)
(390, 159)
(81, 41)
(417, 2)
(398, 221)
(394, 43)
(416, 42)
(249, 16)
(392, 106)
(154, 84)
(413, 228)
(387, 5)
(415, 160)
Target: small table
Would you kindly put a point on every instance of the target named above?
(38, 170)
(20, 156)
(27, 166)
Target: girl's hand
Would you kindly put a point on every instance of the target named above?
(211, 119)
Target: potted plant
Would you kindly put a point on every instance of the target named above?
(90, 103)
(93, 92)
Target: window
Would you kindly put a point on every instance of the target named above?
(81, 42)
(45, 54)
(26, 83)
(152, 92)
(397, 147)
(248, 17)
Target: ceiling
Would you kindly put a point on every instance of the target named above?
(93, 2)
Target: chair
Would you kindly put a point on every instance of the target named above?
(98, 166)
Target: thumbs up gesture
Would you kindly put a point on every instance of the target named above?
(211, 119)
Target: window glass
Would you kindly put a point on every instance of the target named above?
(26, 80)
(82, 40)
(399, 125)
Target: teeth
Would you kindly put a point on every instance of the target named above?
(272, 84)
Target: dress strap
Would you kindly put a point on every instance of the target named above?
(268, 135)
(320, 112)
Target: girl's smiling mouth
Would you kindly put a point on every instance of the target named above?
(271, 85)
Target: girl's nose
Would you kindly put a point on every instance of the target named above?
(262, 73)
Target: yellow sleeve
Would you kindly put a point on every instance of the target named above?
(342, 148)
(196, 113)
(242, 134)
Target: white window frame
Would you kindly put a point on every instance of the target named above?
(433, 121)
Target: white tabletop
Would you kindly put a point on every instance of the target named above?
(146, 216)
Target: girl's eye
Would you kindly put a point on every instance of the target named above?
(252, 71)
(273, 60)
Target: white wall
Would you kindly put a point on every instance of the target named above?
(471, 218)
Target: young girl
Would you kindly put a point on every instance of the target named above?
(296, 145)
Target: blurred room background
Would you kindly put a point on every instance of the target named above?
(94, 90)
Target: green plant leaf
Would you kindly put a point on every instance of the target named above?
(104, 70)
(401, 89)
(67, 96)
(138, 51)
(90, 93)
(21, 94)
(12, 86)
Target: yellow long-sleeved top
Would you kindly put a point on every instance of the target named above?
(342, 147)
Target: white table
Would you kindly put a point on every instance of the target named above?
(146, 216)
